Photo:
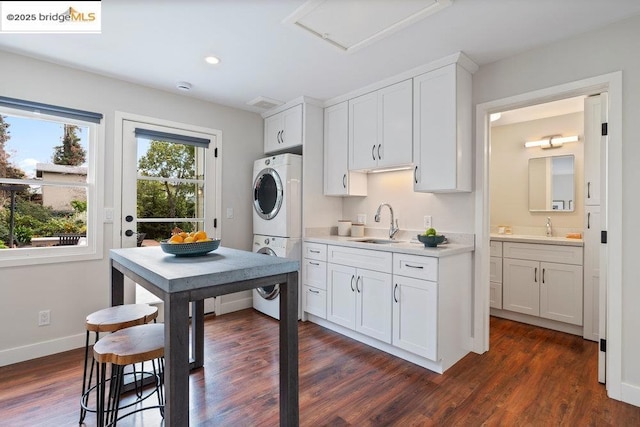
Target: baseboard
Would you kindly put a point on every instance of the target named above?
(630, 394)
(538, 321)
(45, 348)
(224, 307)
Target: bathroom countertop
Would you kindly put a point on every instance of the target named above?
(522, 238)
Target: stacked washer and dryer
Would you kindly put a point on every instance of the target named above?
(277, 218)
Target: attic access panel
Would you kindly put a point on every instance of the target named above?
(353, 24)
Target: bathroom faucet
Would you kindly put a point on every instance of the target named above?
(549, 230)
(394, 228)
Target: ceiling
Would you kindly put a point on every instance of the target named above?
(161, 43)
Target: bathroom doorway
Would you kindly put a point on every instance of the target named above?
(610, 267)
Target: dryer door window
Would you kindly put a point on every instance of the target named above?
(272, 291)
(267, 193)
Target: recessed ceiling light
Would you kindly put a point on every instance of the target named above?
(212, 60)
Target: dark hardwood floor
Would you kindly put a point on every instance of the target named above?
(530, 377)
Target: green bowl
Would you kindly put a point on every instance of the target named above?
(431, 241)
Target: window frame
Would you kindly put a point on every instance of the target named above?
(94, 185)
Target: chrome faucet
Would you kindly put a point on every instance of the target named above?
(549, 230)
(394, 228)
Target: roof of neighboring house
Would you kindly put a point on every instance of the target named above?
(64, 169)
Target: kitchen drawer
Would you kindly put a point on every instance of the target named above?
(418, 267)
(315, 273)
(540, 252)
(495, 248)
(316, 251)
(315, 301)
(360, 258)
(495, 269)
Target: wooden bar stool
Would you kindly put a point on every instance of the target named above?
(110, 319)
(136, 344)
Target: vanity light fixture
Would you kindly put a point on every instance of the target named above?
(554, 141)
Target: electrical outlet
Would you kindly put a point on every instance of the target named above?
(44, 318)
(362, 218)
(427, 221)
(229, 213)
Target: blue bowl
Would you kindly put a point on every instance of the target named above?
(190, 249)
(431, 241)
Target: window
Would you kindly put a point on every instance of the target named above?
(49, 198)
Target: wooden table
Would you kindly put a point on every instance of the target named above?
(179, 281)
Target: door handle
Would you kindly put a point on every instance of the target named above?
(588, 220)
(282, 136)
(352, 278)
(128, 233)
(415, 175)
(373, 149)
(379, 156)
(395, 288)
(535, 275)
(344, 180)
(359, 279)
(414, 266)
(314, 263)
(589, 190)
(543, 274)
(128, 218)
(314, 292)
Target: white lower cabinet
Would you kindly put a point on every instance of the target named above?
(314, 279)
(535, 286)
(415, 316)
(359, 299)
(412, 306)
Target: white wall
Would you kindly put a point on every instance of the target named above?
(509, 178)
(596, 53)
(73, 290)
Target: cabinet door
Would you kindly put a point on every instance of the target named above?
(593, 144)
(495, 295)
(363, 131)
(272, 131)
(314, 273)
(291, 135)
(373, 304)
(338, 181)
(415, 315)
(520, 286)
(314, 301)
(395, 110)
(442, 130)
(341, 295)
(561, 292)
(591, 269)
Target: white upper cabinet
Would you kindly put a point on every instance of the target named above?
(442, 130)
(283, 130)
(595, 112)
(380, 128)
(338, 181)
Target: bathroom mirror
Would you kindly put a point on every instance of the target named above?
(551, 184)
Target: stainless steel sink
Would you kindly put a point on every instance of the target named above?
(378, 241)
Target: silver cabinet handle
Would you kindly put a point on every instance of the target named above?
(359, 279)
(373, 149)
(379, 156)
(589, 190)
(535, 275)
(344, 180)
(415, 175)
(313, 251)
(543, 274)
(314, 292)
(414, 266)
(588, 220)
(352, 279)
(395, 288)
(314, 263)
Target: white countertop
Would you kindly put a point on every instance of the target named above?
(522, 238)
(413, 247)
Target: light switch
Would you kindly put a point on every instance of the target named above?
(108, 215)
(229, 213)
(427, 221)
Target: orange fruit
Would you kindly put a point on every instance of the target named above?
(200, 235)
(176, 238)
(188, 239)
